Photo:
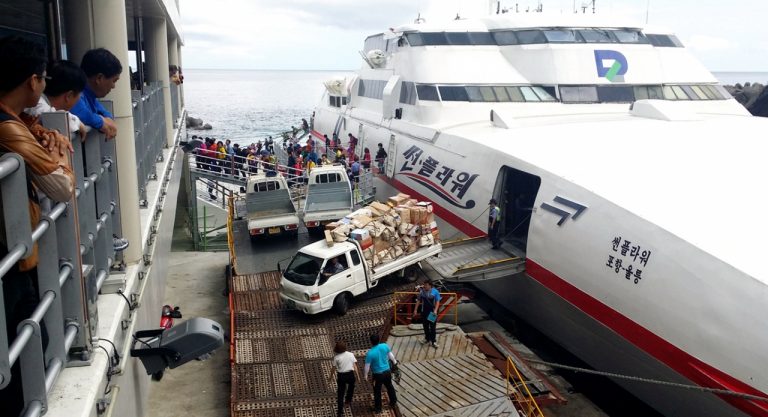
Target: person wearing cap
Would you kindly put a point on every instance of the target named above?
(494, 217)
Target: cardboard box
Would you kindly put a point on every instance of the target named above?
(427, 205)
(404, 213)
(429, 218)
(381, 245)
(331, 226)
(360, 234)
(380, 207)
(361, 221)
(366, 243)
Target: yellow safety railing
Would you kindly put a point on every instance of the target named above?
(405, 305)
(518, 391)
(231, 232)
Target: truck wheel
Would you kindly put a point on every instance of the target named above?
(341, 304)
(411, 274)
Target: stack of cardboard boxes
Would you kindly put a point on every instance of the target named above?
(387, 231)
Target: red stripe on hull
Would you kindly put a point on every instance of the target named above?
(667, 353)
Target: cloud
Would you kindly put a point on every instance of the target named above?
(707, 43)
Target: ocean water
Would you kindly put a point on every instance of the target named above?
(247, 105)
(731, 78)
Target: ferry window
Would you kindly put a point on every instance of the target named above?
(543, 94)
(645, 92)
(562, 36)
(597, 36)
(528, 94)
(665, 41)
(706, 91)
(526, 37)
(630, 36)
(505, 38)
(690, 93)
(481, 38)
(375, 42)
(457, 38)
(355, 257)
(699, 92)
(617, 94)
(371, 88)
(414, 39)
(578, 94)
(453, 93)
(344, 101)
(515, 94)
(473, 93)
(501, 93)
(713, 91)
(427, 92)
(408, 93)
(723, 92)
(679, 92)
(434, 38)
(487, 94)
(669, 94)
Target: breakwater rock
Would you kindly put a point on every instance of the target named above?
(752, 96)
(197, 124)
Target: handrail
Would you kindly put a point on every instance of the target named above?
(404, 300)
(524, 402)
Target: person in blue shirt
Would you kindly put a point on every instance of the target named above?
(429, 300)
(103, 69)
(377, 361)
(356, 170)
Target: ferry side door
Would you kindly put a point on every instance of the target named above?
(357, 269)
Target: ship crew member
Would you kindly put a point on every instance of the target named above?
(494, 216)
(377, 361)
(429, 300)
(381, 155)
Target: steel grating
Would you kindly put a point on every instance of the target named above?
(281, 360)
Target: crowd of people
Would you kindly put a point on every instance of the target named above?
(233, 159)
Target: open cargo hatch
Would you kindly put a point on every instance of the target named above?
(468, 260)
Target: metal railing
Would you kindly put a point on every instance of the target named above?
(518, 391)
(149, 132)
(175, 104)
(75, 253)
(405, 306)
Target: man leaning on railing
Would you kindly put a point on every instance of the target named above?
(22, 81)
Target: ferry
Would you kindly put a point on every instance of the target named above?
(627, 177)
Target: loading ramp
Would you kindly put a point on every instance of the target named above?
(469, 260)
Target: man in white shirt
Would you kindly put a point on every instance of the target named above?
(62, 92)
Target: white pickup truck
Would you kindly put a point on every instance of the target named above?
(269, 206)
(308, 285)
(329, 197)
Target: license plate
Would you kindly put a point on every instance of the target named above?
(274, 230)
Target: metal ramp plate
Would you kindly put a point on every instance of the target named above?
(468, 260)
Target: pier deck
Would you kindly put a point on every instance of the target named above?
(281, 360)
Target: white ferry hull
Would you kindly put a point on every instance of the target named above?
(676, 320)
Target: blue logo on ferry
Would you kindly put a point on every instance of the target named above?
(617, 65)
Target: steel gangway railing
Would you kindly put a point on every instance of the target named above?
(149, 132)
(75, 254)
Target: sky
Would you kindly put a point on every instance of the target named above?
(327, 34)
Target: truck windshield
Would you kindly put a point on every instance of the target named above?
(303, 269)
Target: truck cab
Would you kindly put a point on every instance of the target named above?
(329, 197)
(269, 206)
(312, 283)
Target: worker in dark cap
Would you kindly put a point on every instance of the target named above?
(494, 217)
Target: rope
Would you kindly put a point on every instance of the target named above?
(651, 381)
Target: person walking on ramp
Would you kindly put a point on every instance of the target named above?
(346, 374)
(377, 361)
(429, 300)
